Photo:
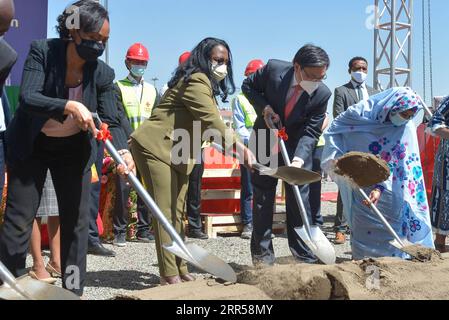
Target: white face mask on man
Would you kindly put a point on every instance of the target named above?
(309, 86)
(219, 71)
(359, 76)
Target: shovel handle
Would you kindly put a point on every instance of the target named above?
(147, 199)
(381, 217)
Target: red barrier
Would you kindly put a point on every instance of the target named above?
(428, 147)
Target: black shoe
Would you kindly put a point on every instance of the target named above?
(145, 236)
(99, 250)
(197, 234)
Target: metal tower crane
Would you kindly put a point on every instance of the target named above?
(393, 43)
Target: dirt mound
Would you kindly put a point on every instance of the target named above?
(371, 279)
(363, 168)
(423, 254)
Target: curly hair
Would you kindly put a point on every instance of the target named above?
(200, 61)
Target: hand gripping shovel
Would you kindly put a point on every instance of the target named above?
(313, 237)
(353, 167)
(26, 288)
(192, 253)
(289, 175)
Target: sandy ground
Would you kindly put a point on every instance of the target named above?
(134, 274)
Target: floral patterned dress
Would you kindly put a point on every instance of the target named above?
(440, 190)
(367, 127)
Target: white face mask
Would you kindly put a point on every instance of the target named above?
(309, 86)
(219, 72)
(398, 120)
(359, 76)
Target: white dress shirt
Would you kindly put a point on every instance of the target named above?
(364, 90)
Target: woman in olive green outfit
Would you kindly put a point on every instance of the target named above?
(191, 97)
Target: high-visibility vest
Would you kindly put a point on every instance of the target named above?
(138, 109)
(248, 111)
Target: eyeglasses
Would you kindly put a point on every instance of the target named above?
(314, 79)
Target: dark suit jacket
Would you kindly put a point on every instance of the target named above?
(269, 86)
(43, 96)
(346, 96)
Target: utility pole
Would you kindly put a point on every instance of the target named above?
(393, 43)
(155, 79)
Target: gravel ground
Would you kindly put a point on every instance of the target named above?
(135, 266)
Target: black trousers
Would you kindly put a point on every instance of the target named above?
(194, 197)
(67, 160)
(121, 210)
(264, 199)
(315, 189)
(94, 237)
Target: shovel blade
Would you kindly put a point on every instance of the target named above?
(318, 244)
(205, 261)
(294, 176)
(38, 290)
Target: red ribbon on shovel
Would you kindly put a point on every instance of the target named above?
(282, 133)
(104, 134)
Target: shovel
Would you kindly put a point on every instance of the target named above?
(373, 164)
(290, 175)
(312, 236)
(192, 253)
(26, 288)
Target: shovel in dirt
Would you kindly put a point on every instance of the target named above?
(353, 167)
(290, 175)
(190, 252)
(26, 288)
(312, 236)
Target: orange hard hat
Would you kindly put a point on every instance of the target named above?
(138, 52)
(253, 66)
(183, 57)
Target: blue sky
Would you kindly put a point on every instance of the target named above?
(259, 29)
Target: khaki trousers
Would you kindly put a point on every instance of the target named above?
(168, 189)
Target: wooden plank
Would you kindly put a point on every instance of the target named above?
(220, 194)
(221, 173)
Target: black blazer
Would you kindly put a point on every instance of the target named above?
(269, 86)
(346, 96)
(42, 97)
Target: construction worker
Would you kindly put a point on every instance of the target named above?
(137, 99)
(244, 117)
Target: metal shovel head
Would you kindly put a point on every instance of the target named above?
(318, 244)
(203, 260)
(38, 290)
(293, 176)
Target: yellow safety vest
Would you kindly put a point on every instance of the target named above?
(137, 111)
(248, 111)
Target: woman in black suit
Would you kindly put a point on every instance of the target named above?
(63, 82)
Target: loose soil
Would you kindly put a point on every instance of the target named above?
(371, 279)
(363, 169)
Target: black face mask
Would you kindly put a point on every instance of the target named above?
(90, 50)
(8, 57)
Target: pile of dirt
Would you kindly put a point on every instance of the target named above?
(363, 169)
(372, 279)
(422, 254)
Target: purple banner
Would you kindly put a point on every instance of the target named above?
(30, 23)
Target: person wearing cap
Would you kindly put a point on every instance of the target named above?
(136, 99)
(244, 117)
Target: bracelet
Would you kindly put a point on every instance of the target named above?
(123, 152)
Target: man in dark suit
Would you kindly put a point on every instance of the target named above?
(294, 94)
(345, 96)
(8, 57)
